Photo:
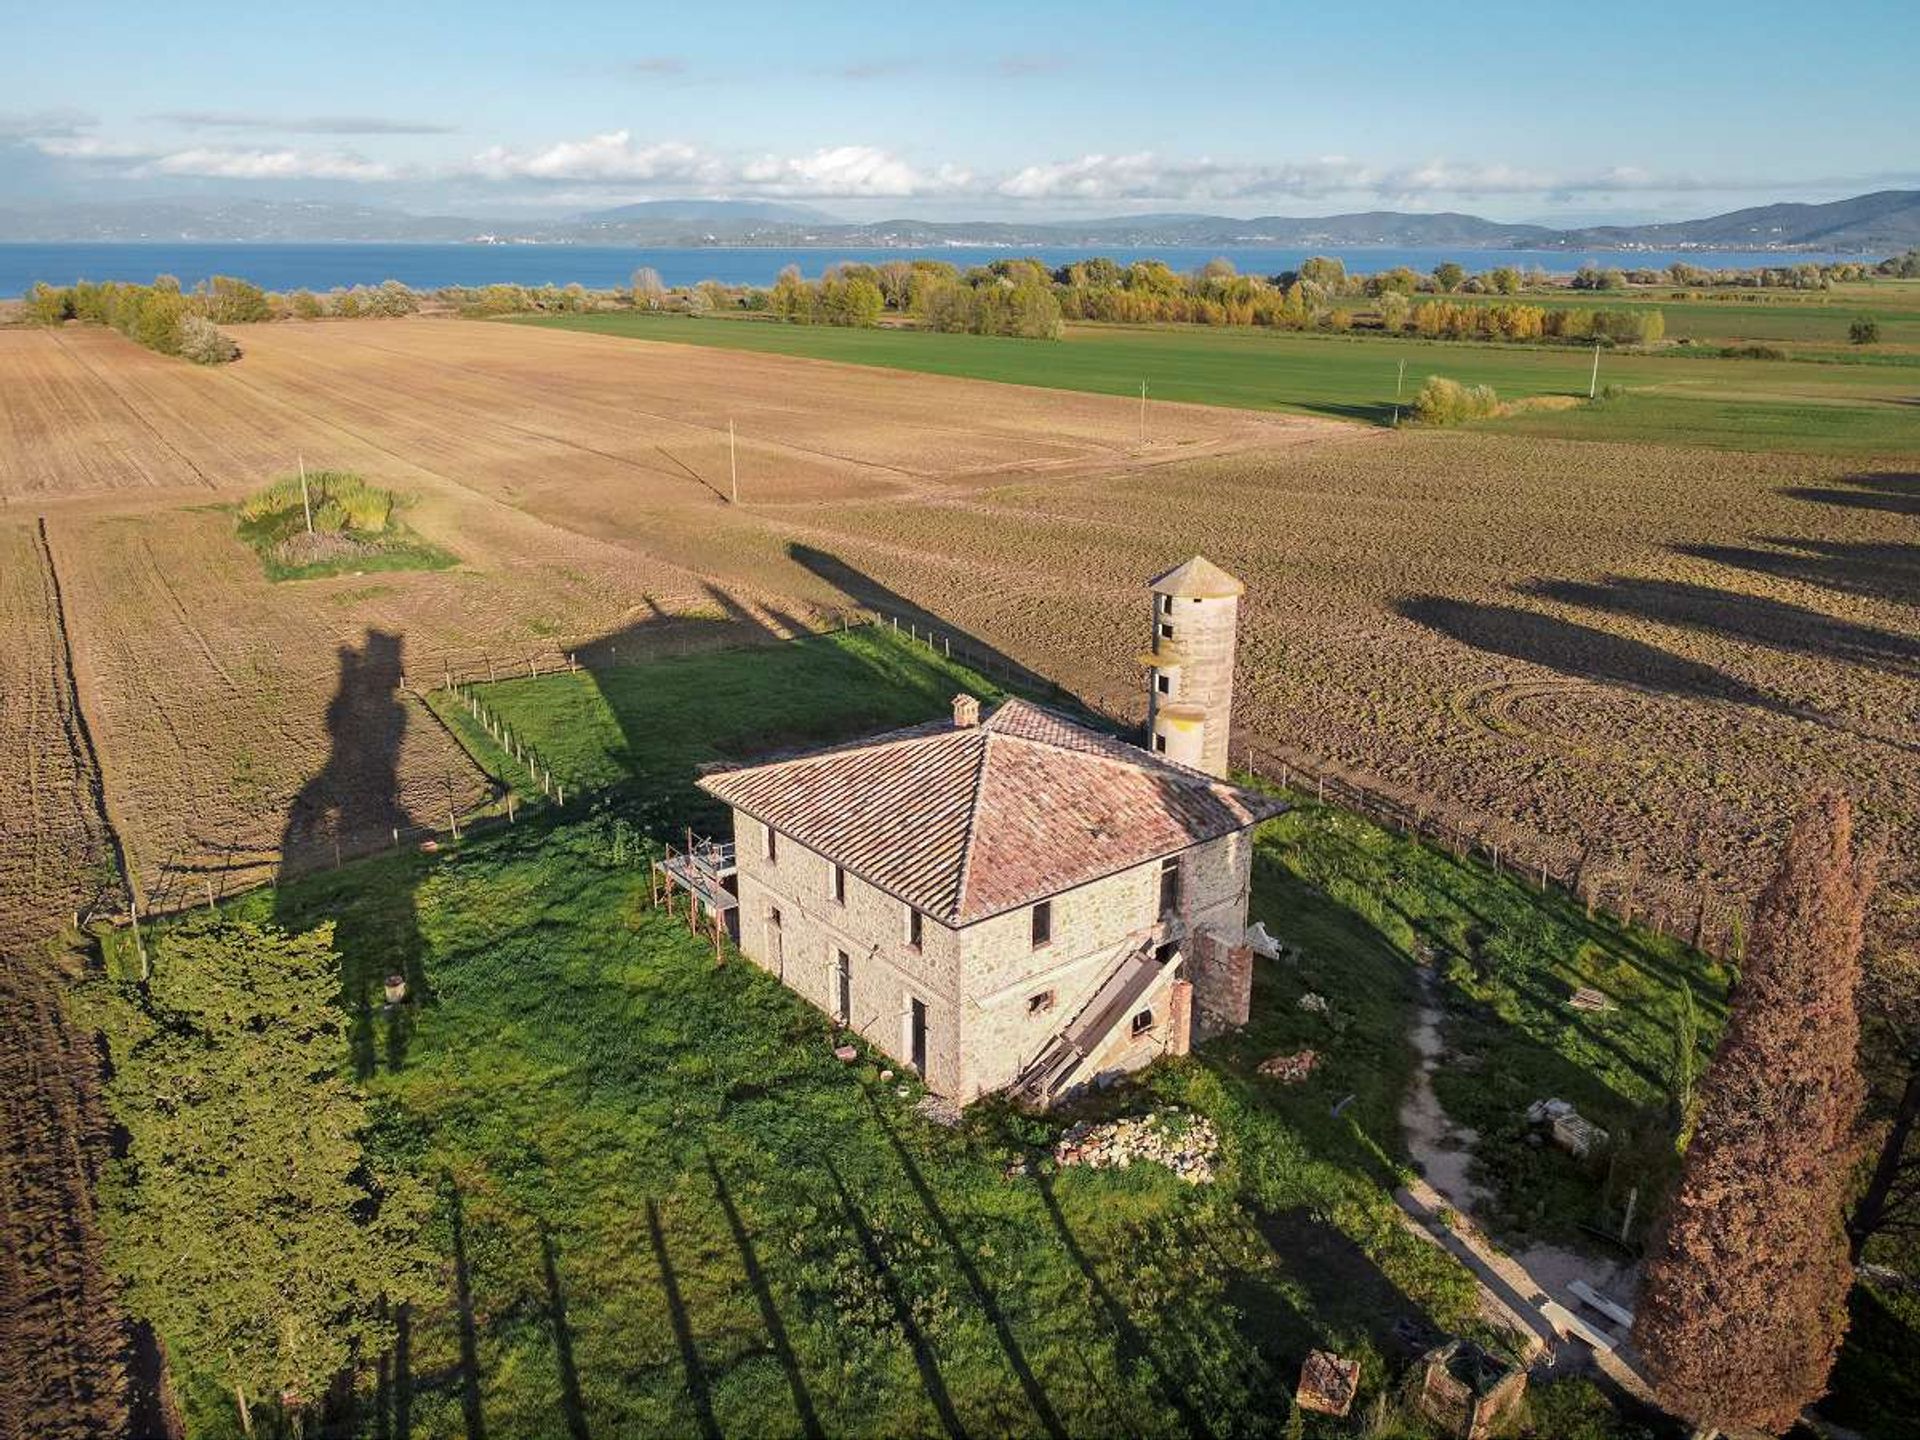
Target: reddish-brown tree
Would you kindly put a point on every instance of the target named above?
(1745, 1298)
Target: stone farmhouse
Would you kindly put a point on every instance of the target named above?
(1017, 901)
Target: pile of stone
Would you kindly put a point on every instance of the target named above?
(1290, 1069)
(1188, 1145)
(1314, 1003)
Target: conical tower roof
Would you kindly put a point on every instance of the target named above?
(1198, 578)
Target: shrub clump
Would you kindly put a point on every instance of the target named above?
(340, 523)
(202, 342)
(1447, 402)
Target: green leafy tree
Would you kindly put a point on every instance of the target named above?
(1864, 331)
(251, 1228)
(1746, 1288)
(1448, 274)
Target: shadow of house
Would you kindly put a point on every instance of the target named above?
(1751, 619)
(354, 799)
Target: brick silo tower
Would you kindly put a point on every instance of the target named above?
(1196, 617)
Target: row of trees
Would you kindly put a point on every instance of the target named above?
(1008, 298)
(159, 316)
(1453, 320)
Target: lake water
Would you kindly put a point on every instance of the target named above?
(426, 267)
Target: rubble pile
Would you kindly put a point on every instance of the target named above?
(1186, 1144)
(1290, 1069)
(1314, 1003)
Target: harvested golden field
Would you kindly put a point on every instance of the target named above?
(578, 480)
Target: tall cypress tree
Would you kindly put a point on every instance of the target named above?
(1745, 1298)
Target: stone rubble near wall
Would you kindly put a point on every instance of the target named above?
(1290, 1069)
(1190, 1150)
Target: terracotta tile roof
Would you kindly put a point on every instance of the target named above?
(963, 823)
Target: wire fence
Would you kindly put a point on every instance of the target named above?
(1706, 917)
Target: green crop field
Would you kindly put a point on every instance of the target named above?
(1740, 404)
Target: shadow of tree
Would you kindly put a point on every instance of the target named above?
(696, 1370)
(1134, 1347)
(983, 1293)
(769, 1311)
(923, 1357)
(1895, 493)
(1879, 570)
(571, 1408)
(469, 1332)
(1576, 650)
(1753, 619)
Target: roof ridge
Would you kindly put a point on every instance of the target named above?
(972, 831)
(1136, 757)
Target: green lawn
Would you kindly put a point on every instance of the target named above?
(646, 728)
(1863, 408)
(671, 1211)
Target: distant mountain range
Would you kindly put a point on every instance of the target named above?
(1884, 222)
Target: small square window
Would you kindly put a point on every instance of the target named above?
(916, 929)
(772, 849)
(1166, 632)
(1160, 743)
(840, 884)
(1041, 1003)
(1163, 682)
(1143, 1022)
(1042, 927)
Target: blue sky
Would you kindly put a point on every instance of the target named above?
(1629, 111)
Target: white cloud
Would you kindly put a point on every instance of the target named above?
(300, 124)
(1148, 176)
(850, 170)
(90, 147)
(43, 124)
(226, 164)
(614, 158)
(608, 157)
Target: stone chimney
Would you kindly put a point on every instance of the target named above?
(966, 711)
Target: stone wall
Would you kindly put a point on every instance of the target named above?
(977, 982)
(871, 927)
(1094, 927)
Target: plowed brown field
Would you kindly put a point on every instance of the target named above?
(60, 1340)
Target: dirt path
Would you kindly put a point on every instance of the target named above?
(1514, 1289)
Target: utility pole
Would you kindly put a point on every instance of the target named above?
(1400, 383)
(304, 505)
(733, 464)
(1143, 412)
(1593, 385)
